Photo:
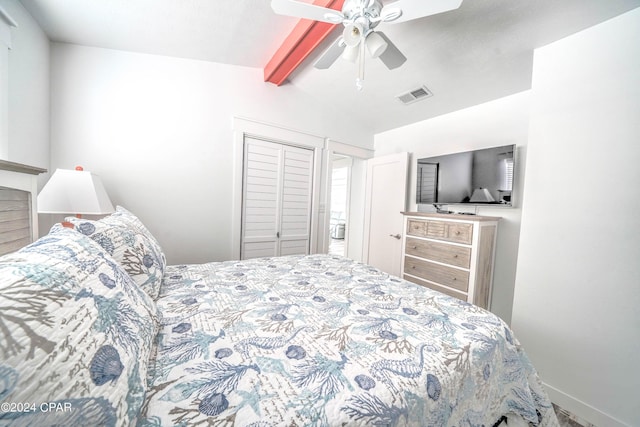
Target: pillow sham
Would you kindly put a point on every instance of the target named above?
(76, 335)
(129, 243)
(124, 216)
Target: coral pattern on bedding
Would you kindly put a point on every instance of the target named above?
(75, 332)
(124, 237)
(323, 341)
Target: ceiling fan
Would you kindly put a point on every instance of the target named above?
(360, 18)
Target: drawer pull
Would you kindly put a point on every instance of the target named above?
(455, 256)
(414, 247)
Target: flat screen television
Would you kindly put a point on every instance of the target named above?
(478, 177)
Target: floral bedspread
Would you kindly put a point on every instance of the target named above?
(323, 341)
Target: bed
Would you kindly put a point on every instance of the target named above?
(101, 326)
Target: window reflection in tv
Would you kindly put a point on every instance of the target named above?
(482, 176)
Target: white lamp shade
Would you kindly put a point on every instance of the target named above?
(481, 195)
(352, 34)
(376, 44)
(74, 192)
(351, 53)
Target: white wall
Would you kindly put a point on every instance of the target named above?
(158, 130)
(577, 301)
(28, 91)
(500, 122)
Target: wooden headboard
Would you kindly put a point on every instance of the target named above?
(18, 210)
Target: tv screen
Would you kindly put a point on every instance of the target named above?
(475, 177)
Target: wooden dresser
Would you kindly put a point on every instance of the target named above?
(451, 253)
(18, 210)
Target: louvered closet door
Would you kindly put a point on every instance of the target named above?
(295, 220)
(276, 199)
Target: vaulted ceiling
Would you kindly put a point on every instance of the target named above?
(479, 52)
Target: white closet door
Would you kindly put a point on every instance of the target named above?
(296, 201)
(262, 166)
(276, 199)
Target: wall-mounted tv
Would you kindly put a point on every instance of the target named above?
(478, 177)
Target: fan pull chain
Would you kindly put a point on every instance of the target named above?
(361, 55)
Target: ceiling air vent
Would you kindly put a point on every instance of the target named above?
(414, 95)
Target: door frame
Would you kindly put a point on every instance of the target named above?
(356, 154)
(243, 127)
(349, 160)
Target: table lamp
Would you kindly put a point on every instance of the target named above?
(481, 195)
(74, 192)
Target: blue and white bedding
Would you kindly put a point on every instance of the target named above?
(323, 341)
(96, 330)
(75, 336)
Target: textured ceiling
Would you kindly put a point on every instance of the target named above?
(478, 53)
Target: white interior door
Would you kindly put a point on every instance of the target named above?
(385, 199)
(276, 207)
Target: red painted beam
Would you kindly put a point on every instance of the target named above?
(304, 38)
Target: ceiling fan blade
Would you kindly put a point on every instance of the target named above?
(414, 9)
(330, 55)
(391, 57)
(306, 11)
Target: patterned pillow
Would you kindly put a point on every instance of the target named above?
(131, 245)
(123, 216)
(76, 335)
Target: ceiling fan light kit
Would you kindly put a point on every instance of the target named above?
(376, 44)
(351, 53)
(360, 18)
(352, 34)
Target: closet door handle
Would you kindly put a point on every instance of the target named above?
(277, 234)
(395, 236)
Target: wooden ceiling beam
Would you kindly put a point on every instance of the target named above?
(305, 37)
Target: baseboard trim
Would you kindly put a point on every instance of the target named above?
(582, 409)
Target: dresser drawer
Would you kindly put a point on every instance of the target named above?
(450, 231)
(417, 228)
(447, 291)
(448, 276)
(442, 252)
(441, 230)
